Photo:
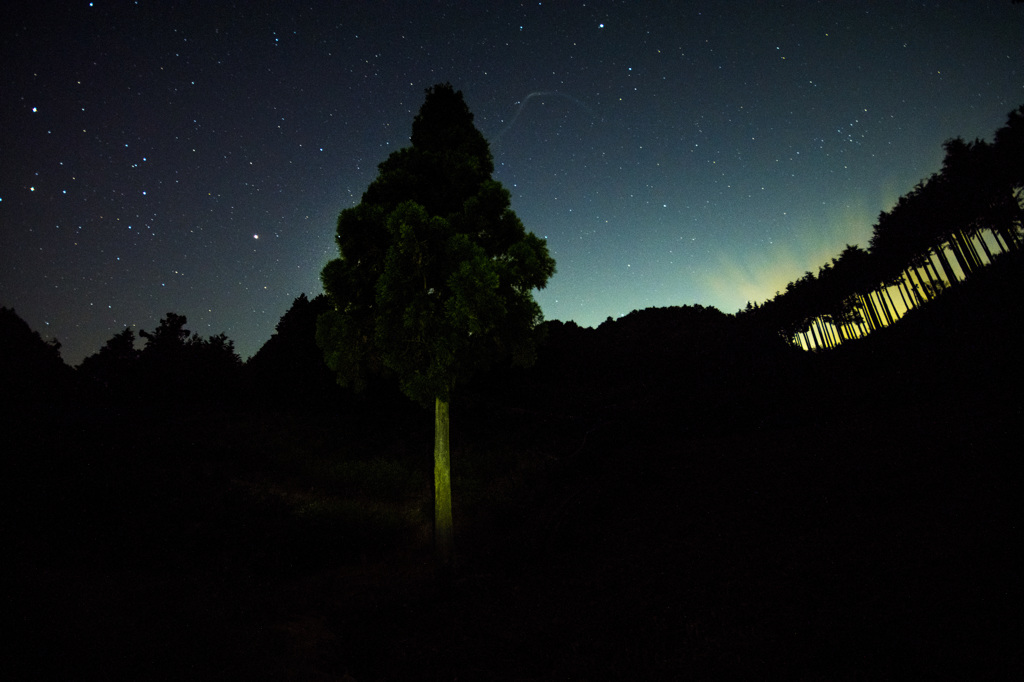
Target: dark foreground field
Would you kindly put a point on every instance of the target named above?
(853, 516)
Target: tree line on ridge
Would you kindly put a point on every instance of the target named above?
(945, 229)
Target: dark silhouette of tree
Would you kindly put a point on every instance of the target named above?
(1008, 165)
(216, 368)
(177, 368)
(170, 338)
(435, 276)
(31, 369)
(289, 368)
(1009, 143)
(163, 377)
(112, 368)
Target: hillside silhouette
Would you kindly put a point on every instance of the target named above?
(672, 493)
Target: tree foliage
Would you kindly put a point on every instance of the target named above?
(113, 366)
(435, 272)
(175, 367)
(289, 368)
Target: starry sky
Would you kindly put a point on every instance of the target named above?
(193, 157)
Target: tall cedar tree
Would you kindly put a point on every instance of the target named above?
(435, 276)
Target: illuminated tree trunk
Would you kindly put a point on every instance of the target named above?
(997, 237)
(443, 534)
(892, 303)
(907, 299)
(879, 295)
(972, 250)
(907, 285)
(880, 310)
(823, 327)
(874, 320)
(933, 274)
(962, 256)
(818, 345)
(922, 293)
(827, 332)
(883, 307)
(984, 246)
(1008, 235)
(865, 316)
(940, 253)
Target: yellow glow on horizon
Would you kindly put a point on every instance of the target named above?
(757, 279)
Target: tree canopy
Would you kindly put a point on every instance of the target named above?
(435, 272)
(175, 367)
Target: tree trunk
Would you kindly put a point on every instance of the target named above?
(1006, 233)
(818, 345)
(443, 534)
(997, 234)
(972, 251)
(919, 290)
(908, 299)
(883, 305)
(892, 303)
(984, 245)
(828, 332)
(913, 288)
(933, 274)
(940, 253)
(961, 256)
(874, 319)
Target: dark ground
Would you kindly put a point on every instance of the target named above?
(851, 515)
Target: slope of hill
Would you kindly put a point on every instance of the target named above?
(667, 496)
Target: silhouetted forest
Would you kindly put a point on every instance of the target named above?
(943, 231)
(679, 493)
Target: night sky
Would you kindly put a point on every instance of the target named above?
(192, 157)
